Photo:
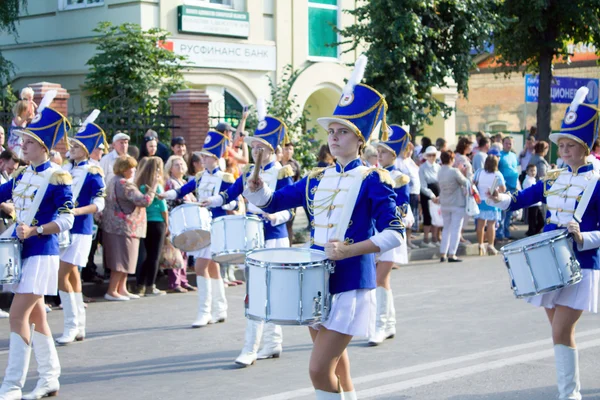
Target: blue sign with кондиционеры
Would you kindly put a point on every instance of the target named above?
(563, 89)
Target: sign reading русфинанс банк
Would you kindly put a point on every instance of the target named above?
(563, 89)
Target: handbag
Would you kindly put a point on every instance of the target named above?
(471, 207)
(171, 257)
(435, 210)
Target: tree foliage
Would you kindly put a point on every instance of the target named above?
(533, 33)
(129, 64)
(416, 45)
(285, 107)
(9, 16)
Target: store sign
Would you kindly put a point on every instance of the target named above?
(563, 89)
(224, 55)
(211, 21)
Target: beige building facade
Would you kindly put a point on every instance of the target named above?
(233, 46)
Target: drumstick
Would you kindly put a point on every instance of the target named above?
(256, 171)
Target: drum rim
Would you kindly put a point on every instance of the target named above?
(184, 205)
(9, 240)
(578, 277)
(294, 322)
(326, 263)
(514, 248)
(235, 217)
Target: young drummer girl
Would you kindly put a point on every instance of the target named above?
(562, 191)
(212, 304)
(43, 202)
(88, 196)
(347, 203)
(385, 326)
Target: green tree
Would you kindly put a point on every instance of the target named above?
(285, 106)
(130, 65)
(533, 33)
(9, 16)
(414, 46)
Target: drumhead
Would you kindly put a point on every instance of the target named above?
(236, 217)
(528, 241)
(287, 256)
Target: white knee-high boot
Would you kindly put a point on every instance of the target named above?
(272, 340)
(254, 330)
(383, 312)
(70, 330)
(322, 395)
(219, 301)
(567, 372)
(390, 329)
(48, 367)
(204, 302)
(19, 354)
(81, 316)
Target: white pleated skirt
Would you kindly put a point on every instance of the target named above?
(39, 276)
(79, 250)
(397, 255)
(581, 296)
(352, 313)
(202, 253)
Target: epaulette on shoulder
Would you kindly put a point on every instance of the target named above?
(96, 170)
(402, 180)
(228, 178)
(315, 172)
(61, 178)
(18, 171)
(285, 172)
(384, 175)
(247, 168)
(552, 174)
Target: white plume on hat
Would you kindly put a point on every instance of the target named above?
(579, 98)
(91, 118)
(47, 100)
(357, 75)
(261, 109)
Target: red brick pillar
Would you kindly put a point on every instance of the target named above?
(60, 102)
(191, 108)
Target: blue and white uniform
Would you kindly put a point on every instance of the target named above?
(88, 188)
(39, 254)
(206, 184)
(277, 177)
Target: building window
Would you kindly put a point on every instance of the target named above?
(496, 126)
(322, 17)
(73, 4)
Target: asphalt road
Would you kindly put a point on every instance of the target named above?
(461, 336)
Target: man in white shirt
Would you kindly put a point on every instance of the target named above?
(120, 144)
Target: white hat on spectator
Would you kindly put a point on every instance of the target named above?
(120, 136)
(431, 150)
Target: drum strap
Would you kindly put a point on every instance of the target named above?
(357, 175)
(585, 198)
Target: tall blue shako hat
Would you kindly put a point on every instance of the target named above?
(580, 122)
(361, 108)
(397, 140)
(214, 144)
(48, 126)
(271, 131)
(90, 136)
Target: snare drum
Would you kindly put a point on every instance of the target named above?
(190, 227)
(64, 239)
(288, 286)
(235, 235)
(541, 263)
(10, 260)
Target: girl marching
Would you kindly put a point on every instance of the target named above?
(88, 198)
(348, 204)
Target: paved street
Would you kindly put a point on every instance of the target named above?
(461, 336)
